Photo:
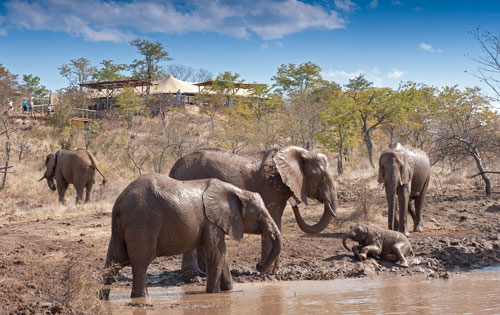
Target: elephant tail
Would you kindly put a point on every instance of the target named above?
(94, 165)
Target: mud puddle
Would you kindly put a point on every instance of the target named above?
(470, 292)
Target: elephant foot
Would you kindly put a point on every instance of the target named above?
(404, 264)
(190, 274)
(418, 228)
(226, 287)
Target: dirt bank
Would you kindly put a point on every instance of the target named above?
(54, 254)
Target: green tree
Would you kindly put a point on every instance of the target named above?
(342, 132)
(419, 111)
(110, 71)
(8, 85)
(148, 68)
(292, 79)
(77, 72)
(31, 84)
(375, 106)
(129, 105)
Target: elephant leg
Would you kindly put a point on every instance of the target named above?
(79, 193)
(88, 190)
(215, 253)
(139, 288)
(398, 249)
(62, 186)
(189, 267)
(355, 250)
(419, 204)
(267, 245)
(200, 255)
(226, 283)
(370, 250)
(390, 196)
(403, 200)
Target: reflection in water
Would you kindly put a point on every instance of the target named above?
(473, 292)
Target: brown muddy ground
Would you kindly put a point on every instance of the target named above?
(50, 257)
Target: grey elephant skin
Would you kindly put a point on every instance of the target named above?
(405, 173)
(276, 174)
(71, 167)
(377, 241)
(159, 216)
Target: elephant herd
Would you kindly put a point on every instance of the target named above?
(210, 193)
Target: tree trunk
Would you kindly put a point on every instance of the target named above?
(480, 167)
(340, 160)
(367, 139)
(5, 171)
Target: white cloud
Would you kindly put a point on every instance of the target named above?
(395, 74)
(280, 44)
(345, 5)
(373, 4)
(397, 3)
(429, 48)
(264, 46)
(342, 76)
(113, 20)
(3, 31)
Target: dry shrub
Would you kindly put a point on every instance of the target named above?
(365, 203)
(77, 284)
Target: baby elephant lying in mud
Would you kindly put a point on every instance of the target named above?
(159, 216)
(375, 240)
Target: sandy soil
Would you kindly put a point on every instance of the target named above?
(51, 257)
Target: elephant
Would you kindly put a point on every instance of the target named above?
(71, 167)
(156, 215)
(405, 173)
(375, 240)
(276, 174)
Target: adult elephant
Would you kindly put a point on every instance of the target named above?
(159, 216)
(71, 167)
(405, 173)
(276, 174)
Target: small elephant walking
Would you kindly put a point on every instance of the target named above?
(71, 167)
(405, 173)
(375, 240)
(159, 216)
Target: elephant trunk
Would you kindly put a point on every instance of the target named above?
(274, 235)
(330, 202)
(391, 203)
(344, 240)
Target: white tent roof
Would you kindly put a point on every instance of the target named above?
(172, 85)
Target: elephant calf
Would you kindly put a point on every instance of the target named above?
(159, 216)
(375, 240)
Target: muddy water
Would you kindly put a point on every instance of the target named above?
(466, 293)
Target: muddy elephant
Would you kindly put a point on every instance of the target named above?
(276, 174)
(405, 173)
(71, 167)
(377, 241)
(159, 216)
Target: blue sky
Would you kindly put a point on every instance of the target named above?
(387, 40)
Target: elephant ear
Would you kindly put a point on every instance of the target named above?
(290, 164)
(50, 164)
(224, 207)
